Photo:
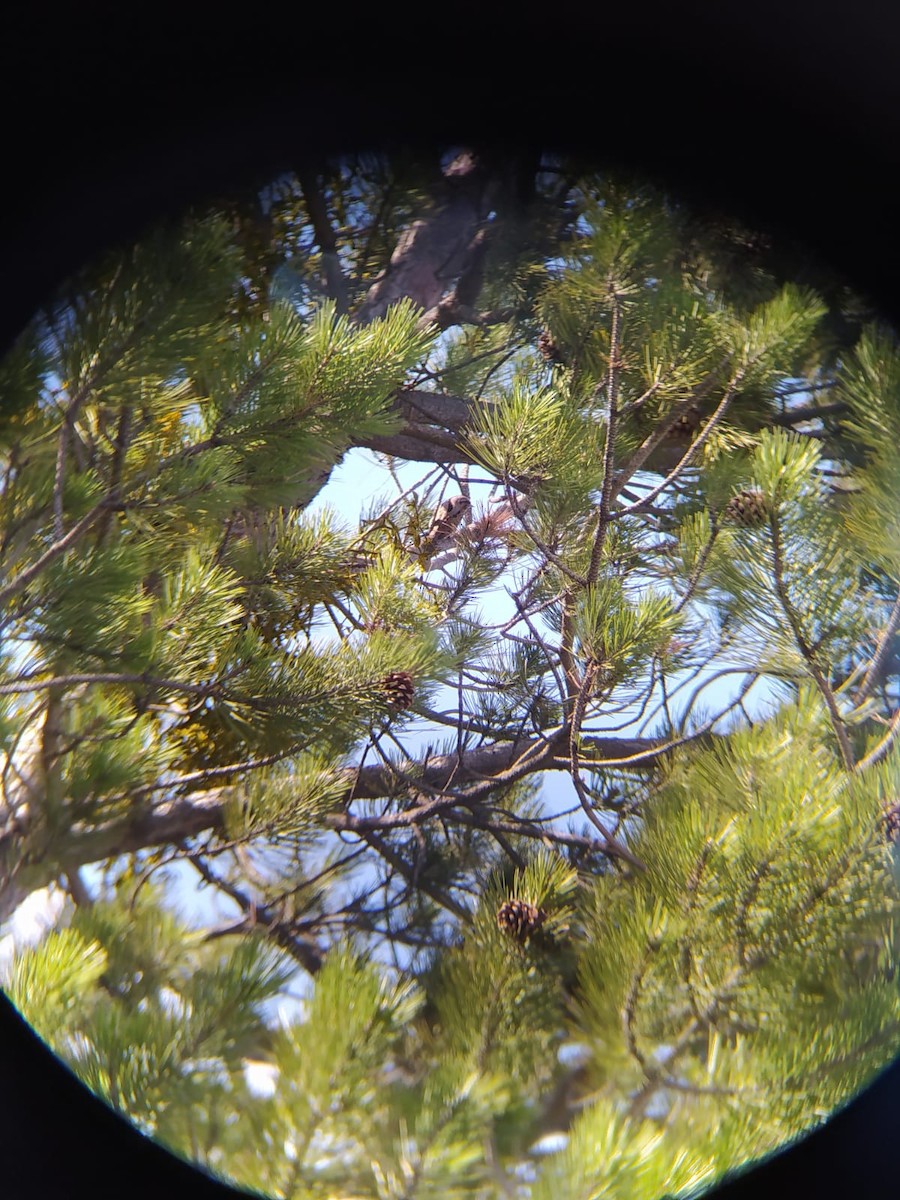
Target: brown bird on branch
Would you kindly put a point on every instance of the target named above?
(440, 533)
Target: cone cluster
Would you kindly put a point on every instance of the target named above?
(520, 919)
(747, 508)
(398, 689)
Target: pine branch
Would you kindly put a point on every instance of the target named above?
(882, 652)
(123, 438)
(59, 478)
(60, 546)
(455, 779)
(612, 400)
(689, 455)
(881, 751)
(629, 1010)
(658, 435)
(804, 647)
(301, 947)
(611, 845)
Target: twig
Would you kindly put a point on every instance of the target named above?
(873, 674)
(612, 395)
(659, 434)
(58, 479)
(804, 647)
(689, 455)
(396, 861)
(881, 750)
(53, 552)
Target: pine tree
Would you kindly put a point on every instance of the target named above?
(616, 866)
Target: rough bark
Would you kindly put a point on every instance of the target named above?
(434, 425)
(440, 248)
(438, 263)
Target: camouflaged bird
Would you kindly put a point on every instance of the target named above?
(440, 533)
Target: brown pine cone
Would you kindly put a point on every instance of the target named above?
(520, 919)
(398, 689)
(747, 508)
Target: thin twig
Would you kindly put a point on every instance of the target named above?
(60, 546)
(837, 724)
(687, 458)
(880, 751)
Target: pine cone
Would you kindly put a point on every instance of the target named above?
(549, 350)
(398, 689)
(520, 919)
(747, 508)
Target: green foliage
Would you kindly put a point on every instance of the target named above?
(608, 1156)
(281, 391)
(334, 1065)
(498, 1005)
(145, 310)
(796, 574)
(764, 871)
(160, 1020)
(784, 466)
(20, 374)
(47, 982)
(190, 496)
(112, 752)
(871, 388)
(387, 598)
(767, 343)
(540, 435)
(191, 626)
(286, 799)
(620, 637)
(105, 597)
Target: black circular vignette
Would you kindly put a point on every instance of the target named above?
(787, 119)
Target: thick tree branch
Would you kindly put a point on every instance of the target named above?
(809, 412)
(435, 251)
(335, 282)
(200, 810)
